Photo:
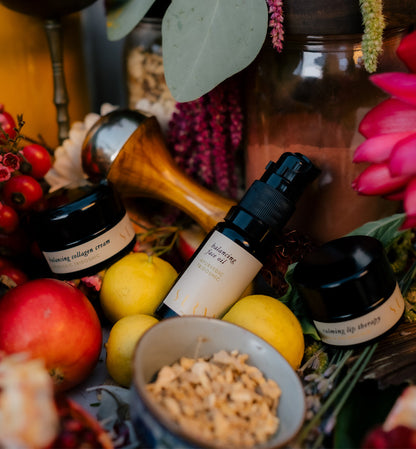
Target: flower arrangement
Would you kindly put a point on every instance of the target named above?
(209, 42)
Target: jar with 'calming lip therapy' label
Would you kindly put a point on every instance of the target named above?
(83, 230)
(350, 290)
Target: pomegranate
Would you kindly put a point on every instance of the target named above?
(189, 241)
(54, 321)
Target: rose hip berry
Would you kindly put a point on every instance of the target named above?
(7, 124)
(22, 192)
(36, 160)
(9, 219)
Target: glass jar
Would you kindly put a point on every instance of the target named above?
(144, 73)
(310, 99)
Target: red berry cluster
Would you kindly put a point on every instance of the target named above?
(22, 168)
(400, 437)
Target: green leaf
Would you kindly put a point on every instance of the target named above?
(124, 15)
(207, 41)
(385, 230)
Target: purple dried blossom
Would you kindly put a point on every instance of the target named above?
(205, 134)
(236, 117)
(203, 153)
(180, 137)
(217, 110)
(276, 23)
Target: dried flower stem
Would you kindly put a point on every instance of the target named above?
(276, 23)
(372, 41)
(340, 394)
(162, 239)
(205, 134)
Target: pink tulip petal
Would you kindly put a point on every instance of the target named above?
(377, 180)
(389, 116)
(407, 51)
(377, 148)
(403, 157)
(409, 201)
(400, 85)
(408, 223)
(395, 196)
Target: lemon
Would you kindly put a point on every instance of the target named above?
(137, 283)
(273, 321)
(120, 345)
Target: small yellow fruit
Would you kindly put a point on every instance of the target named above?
(120, 345)
(137, 283)
(273, 321)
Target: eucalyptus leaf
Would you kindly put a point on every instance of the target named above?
(386, 229)
(124, 15)
(207, 41)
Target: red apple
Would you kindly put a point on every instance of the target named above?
(52, 320)
(189, 241)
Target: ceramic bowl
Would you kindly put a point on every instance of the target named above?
(172, 338)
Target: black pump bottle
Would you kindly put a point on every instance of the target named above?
(232, 253)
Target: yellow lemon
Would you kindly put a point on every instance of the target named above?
(272, 320)
(137, 283)
(120, 345)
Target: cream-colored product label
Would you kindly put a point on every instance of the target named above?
(94, 251)
(366, 327)
(215, 279)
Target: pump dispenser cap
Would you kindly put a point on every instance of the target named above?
(272, 198)
(290, 174)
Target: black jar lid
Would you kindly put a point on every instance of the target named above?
(71, 216)
(345, 278)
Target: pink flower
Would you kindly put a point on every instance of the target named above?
(11, 161)
(390, 130)
(276, 23)
(5, 173)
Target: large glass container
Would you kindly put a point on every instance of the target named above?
(311, 99)
(144, 73)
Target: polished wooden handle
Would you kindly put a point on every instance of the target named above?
(144, 167)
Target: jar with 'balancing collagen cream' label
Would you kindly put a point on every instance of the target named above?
(83, 230)
(350, 290)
